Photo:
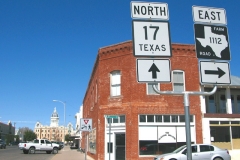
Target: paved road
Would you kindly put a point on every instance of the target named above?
(13, 153)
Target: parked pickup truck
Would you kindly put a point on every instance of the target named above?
(39, 145)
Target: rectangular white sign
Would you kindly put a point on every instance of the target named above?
(149, 10)
(209, 15)
(153, 70)
(215, 72)
(85, 124)
(151, 38)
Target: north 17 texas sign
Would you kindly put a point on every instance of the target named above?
(153, 70)
(212, 42)
(215, 72)
(151, 38)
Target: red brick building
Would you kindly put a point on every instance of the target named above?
(147, 123)
(144, 119)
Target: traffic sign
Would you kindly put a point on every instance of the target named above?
(85, 124)
(212, 42)
(215, 72)
(209, 15)
(153, 70)
(149, 10)
(151, 38)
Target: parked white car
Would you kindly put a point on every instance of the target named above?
(199, 152)
(39, 145)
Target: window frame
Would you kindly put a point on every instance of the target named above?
(115, 87)
(183, 80)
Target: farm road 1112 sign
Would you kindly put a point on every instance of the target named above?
(212, 42)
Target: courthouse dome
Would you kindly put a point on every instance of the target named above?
(55, 114)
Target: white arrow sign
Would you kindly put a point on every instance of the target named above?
(153, 70)
(215, 72)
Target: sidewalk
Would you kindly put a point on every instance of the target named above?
(70, 154)
(235, 154)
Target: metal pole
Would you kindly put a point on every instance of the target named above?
(85, 146)
(187, 113)
(109, 138)
(64, 122)
(187, 128)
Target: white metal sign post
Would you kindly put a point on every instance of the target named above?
(110, 117)
(151, 38)
(86, 125)
(212, 42)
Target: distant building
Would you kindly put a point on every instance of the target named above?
(77, 134)
(6, 129)
(54, 132)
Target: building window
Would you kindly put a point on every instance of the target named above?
(142, 118)
(150, 118)
(164, 118)
(235, 99)
(216, 103)
(115, 80)
(178, 81)
(150, 89)
(119, 119)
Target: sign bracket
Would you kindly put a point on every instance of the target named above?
(186, 110)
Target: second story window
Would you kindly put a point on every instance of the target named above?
(115, 80)
(178, 81)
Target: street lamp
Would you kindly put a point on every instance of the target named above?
(64, 104)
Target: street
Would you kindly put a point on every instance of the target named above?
(13, 153)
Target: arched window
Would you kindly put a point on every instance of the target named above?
(115, 80)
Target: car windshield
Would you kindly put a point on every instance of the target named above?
(179, 149)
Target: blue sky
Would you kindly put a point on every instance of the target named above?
(48, 49)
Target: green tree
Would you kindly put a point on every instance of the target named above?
(67, 138)
(29, 135)
(9, 138)
(17, 139)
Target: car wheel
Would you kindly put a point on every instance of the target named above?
(31, 150)
(172, 159)
(25, 151)
(218, 158)
(54, 151)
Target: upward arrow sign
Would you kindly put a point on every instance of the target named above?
(154, 71)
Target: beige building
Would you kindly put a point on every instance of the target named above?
(54, 132)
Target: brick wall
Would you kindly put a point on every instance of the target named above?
(134, 100)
